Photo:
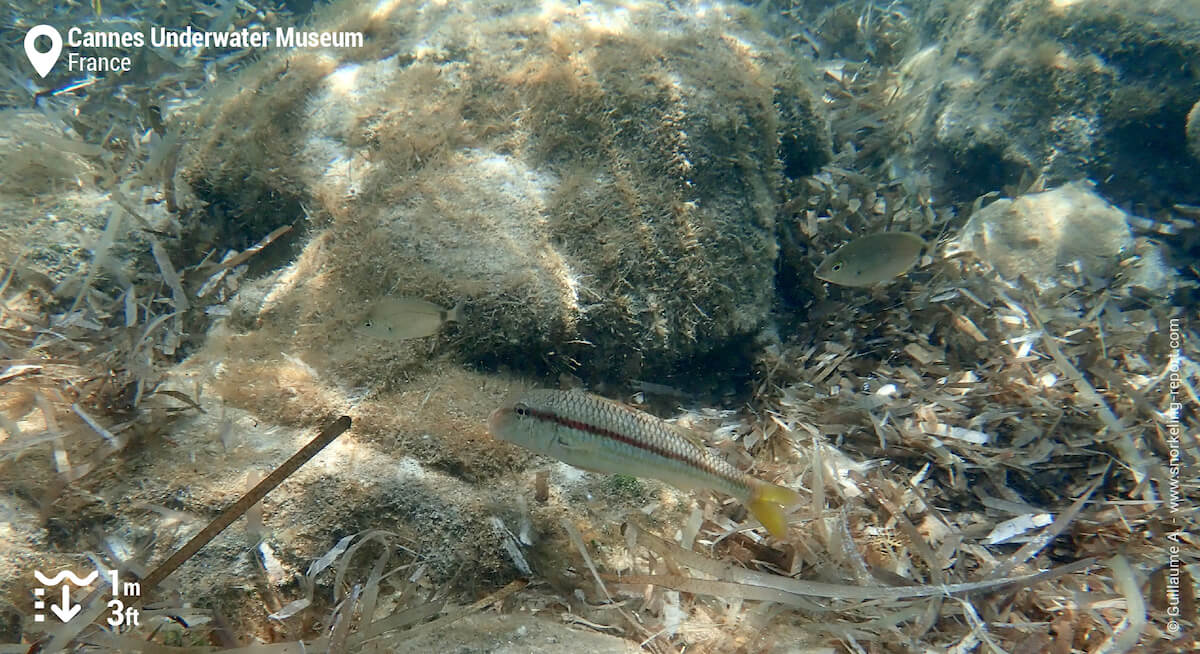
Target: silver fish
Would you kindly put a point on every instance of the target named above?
(871, 259)
(398, 319)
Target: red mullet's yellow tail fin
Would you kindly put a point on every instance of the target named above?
(767, 502)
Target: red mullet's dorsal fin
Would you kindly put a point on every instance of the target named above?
(690, 435)
(515, 391)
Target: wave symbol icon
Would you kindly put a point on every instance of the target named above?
(65, 574)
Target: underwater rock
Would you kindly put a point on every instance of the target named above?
(1193, 130)
(1021, 89)
(1034, 235)
(597, 184)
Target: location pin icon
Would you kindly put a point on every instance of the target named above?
(43, 61)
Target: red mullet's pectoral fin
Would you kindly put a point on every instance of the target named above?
(767, 502)
(567, 451)
(585, 467)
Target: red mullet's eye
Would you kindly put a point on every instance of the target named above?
(521, 410)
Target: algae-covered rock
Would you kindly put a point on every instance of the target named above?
(597, 184)
(1034, 235)
(1018, 89)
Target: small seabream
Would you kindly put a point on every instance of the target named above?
(398, 319)
(600, 435)
(872, 259)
